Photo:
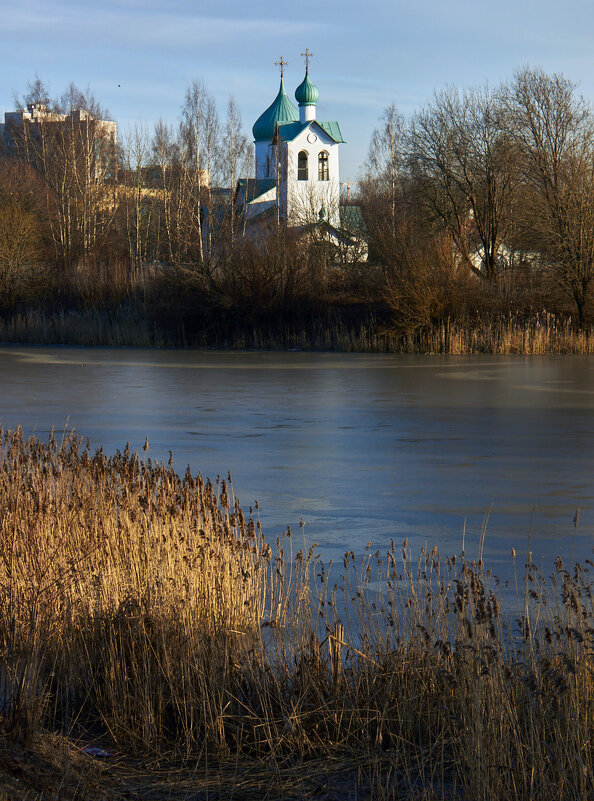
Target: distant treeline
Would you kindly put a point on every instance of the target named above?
(474, 224)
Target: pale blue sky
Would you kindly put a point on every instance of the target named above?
(368, 53)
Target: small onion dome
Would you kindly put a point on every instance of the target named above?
(307, 93)
(280, 110)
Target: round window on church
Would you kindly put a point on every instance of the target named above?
(312, 138)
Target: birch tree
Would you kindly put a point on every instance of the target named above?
(385, 157)
(235, 158)
(73, 151)
(164, 159)
(382, 184)
(138, 202)
(199, 141)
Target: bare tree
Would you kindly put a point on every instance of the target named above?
(553, 128)
(165, 160)
(74, 99)
(235, 158)
(199, 147)
(385, 159)
(468, 173)
(37, 94)
(21, 224)
(74, 153)
(138, 201)
(381, 188)
(19, 250)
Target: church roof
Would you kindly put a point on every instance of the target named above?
(352, 220)
(307, 93)
(332, 128)
(290, 130)
(254, 187)
(282, 109)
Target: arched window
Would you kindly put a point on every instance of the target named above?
(302, 166)
(323, 172)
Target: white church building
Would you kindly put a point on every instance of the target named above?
(297, 161)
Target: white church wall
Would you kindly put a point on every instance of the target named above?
(307, 113)
(261, 204)
(264, 155)
(305, 199)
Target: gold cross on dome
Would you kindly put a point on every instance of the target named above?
(307, 56)
(282, 64)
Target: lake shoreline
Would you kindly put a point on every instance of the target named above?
(129, 327)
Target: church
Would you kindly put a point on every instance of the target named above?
(297, 178)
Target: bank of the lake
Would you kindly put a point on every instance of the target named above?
(339, 330)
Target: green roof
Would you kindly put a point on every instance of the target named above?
(307, 93)
(333, 130)
(281, 110)
(289, 130)
(255, 187)
(351, 219)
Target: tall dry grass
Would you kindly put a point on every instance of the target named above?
(506, 334)
(90, 327)
(130, 327)
(144, 605)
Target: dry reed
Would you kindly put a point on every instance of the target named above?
(144, 604)
(128, 326)
(90, 327)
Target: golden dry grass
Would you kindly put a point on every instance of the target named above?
(506, 334)
(145, 607)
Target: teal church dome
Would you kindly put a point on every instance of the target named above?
(280, 110)
(307, 93)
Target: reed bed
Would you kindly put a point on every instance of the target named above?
(144, 606)
(91, 327)
(507, 334)
(129, 327)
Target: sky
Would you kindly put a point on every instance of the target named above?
(139, 56)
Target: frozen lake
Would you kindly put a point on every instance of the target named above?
(361, 447)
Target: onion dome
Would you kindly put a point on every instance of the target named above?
(281, 110)
(307, 93)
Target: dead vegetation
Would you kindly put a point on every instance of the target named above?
(143, 609)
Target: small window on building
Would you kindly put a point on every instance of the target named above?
(323, 173)
(268, 165)
(302, 166)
